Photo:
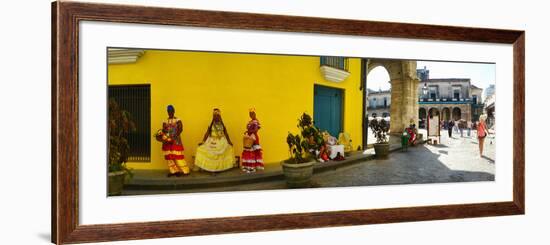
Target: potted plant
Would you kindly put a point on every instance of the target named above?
(303, 149)
(120, 124)
(380, 130)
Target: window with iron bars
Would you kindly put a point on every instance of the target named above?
(341, 63)
(136, 99)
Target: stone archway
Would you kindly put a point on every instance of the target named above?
(422, 113)
(457, 114)
(433, 112)
(404, 91)
(446, 114)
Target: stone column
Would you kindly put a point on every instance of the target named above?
(396, 108)
(468, 112)
(409, 103)
(416, 106)
(404, 104)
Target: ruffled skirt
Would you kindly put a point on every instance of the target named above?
(252, 157)
(215, 155)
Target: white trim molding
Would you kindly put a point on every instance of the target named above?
(334, 74)
(123, 56)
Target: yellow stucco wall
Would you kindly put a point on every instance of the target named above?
(279, 87)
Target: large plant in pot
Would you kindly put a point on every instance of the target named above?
(380, 130)
(303, 150)
(120, 124)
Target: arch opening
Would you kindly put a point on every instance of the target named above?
(422, 115)
(433, 112)
(446, 114)
(457, 114)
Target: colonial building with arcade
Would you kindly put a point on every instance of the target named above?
(449, 98)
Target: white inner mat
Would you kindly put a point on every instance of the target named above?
(97, 208)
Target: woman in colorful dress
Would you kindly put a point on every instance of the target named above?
(411, 130)
(251, 158)
(215, 153)
(172, 146)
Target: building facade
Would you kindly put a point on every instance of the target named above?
(489, 108)
(449, 98)
(378, 103)
(477, 103)
(489, 91)
(279, 87)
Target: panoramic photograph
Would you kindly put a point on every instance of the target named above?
(203, 121)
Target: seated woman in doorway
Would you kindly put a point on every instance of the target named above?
(215, 153)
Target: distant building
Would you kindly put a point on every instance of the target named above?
(490, 91)
(490, 109)
(449, 98)
(423, 74)
(378, 103)
(477, 103)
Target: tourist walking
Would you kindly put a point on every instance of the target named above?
(461, 128)
(450, 126)
(455, 126)
(469, 127)
(481, 133)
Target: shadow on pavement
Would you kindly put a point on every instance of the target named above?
(488, 158)
(417, 166)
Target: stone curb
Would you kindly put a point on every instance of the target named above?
(206, 182)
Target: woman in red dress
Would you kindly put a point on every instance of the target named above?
(411, 130)
(251, 158)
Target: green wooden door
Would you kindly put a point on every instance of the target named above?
(327, 109)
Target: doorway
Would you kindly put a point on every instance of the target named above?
(327, 109)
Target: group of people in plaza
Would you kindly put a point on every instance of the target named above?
(460, 125)
(215, 152)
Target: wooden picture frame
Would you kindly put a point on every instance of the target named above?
(65, 121)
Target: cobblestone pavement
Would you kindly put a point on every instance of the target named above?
(455, 159)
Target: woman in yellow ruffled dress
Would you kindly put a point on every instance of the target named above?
(215, 153)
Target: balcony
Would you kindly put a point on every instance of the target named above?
(375, 107)
(445, 100)
(334, 69)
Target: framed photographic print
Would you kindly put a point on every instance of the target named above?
(175, 122)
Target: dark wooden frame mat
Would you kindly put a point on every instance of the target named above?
(65, 30)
